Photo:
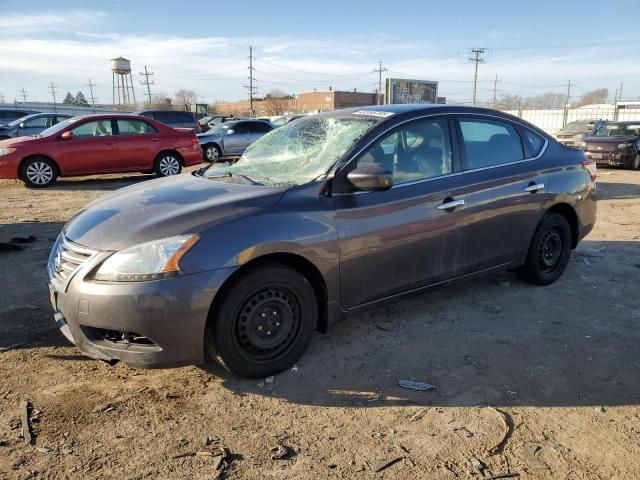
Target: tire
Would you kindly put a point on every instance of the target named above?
(549, 251)
(212, 153)
(39, 172)
(635, 163)
(243, 337)
(168, 164)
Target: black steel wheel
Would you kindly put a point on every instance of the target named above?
(549, 251)
(635, 163)
(264, 321)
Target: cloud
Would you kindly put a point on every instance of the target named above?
(41, 22)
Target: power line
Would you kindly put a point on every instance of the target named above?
(146, 82)
(476, 58)
(93, 99)
(24, 95)
(354, 74)
(379, 71)
(52, 88)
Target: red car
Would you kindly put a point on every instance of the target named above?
(94, 144)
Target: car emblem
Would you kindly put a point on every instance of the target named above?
(57, 263)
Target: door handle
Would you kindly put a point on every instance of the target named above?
(534, 187)
(450, 205)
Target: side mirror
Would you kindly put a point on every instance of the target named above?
(231, 131)
(371, 178)
(68, 135)
(21, 125)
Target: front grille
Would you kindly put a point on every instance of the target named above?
(117, 337)
(67, 258)
(605, 147)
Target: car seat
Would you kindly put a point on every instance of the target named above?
(502, 149)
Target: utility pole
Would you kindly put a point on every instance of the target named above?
(24, 95)
(379, 71)
(93, 99)
(1, 98)
(476, 57)
(52, 87)
(495, 86)
(251, 78)
(567, 104)
(620, 91)
(146, 82)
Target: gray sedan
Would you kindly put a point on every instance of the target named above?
(31, 124)
(231, 139)
(328, 215)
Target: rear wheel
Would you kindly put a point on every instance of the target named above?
(168, 164)
(212, 153)
(264, 322)
(39, 172)
(549, 251)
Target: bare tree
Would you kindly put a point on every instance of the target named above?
(593, 97)
(276, 102)
(159, 100)
(185, 98)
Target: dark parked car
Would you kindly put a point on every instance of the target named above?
(231, 139)
(179, 119)
(615, 144)
(207, 123)
(10, 114)
(31, 125)
(573, 133)
(328, 215)
(91, 144)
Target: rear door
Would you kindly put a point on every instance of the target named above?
(506, 188)
(92, 150)
(138, 144)
(404, 238)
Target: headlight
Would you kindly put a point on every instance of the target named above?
(583, 145)
(6, 151)
(624, 146)
(147, 261)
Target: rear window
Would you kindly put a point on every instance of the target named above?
(489, 143)
(172, 117)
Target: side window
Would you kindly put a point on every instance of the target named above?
(241, 127)
(414, 151)
(261, 127)
(101, 128)
(134, 127)
(488, 143)
(533, 143)
(40, 122)
(57, 120)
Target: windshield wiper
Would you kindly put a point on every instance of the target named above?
(229, 175)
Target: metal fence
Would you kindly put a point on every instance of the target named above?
(552, 120)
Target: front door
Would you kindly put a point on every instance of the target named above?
(506, 189)
(406, 237)
(34, 126)
(93, 149)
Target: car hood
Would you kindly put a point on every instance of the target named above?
(12, 142)
(616, 139)
(163, 208)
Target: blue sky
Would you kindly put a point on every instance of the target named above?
(534, 47)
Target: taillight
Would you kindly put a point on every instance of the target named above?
(194, 139)
(590, 166)
(198, 127)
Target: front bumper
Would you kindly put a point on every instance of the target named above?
(614, 159)
(144, 324)
(8, 168)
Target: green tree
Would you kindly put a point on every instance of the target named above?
(81, 100)
(69, 99)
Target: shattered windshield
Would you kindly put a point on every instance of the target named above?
(297, 152)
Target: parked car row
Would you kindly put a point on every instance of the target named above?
(231, 139)
(615, 144)
(93, 144)
(574, 133)
(31, 124)
(329, 215)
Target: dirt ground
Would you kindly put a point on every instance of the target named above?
(543, 382)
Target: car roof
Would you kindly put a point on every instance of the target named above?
(140, 112)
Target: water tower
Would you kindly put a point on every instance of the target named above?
(122, 83)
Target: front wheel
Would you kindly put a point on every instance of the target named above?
(264, 323)
(549, 251)
(635, 163)
(167, 165)
(39, 172)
